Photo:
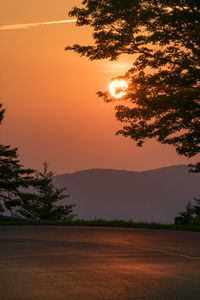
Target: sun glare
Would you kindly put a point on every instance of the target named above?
(118, 88)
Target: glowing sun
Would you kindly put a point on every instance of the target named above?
(118, 88)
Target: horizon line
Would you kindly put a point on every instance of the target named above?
(28, 25)
(123, 170)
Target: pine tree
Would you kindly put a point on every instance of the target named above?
(187, 216)
(13, 176)
(196, 209)
(43, 204)
(1, 118)
(163, 97)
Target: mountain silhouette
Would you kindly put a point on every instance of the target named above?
(152, 196)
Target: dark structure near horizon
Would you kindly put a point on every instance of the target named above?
(163, 99)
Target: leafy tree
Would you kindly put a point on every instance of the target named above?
(43, 203)
(2, 111)
(185, 217)
(163, 97)
(13, 176)
(191, 215)
(196, 209)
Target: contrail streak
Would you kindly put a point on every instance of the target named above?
(25, 26)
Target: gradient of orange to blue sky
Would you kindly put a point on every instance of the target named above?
(52, 111)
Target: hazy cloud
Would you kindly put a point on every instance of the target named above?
(25, 26)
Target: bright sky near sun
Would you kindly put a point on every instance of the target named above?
(52, 111)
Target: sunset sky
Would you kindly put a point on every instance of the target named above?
(52, 111)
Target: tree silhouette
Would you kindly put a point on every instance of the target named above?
(196, 209)
(185, 217)
(163, 98)
(43, 204)
(191, 215)
(13, 176)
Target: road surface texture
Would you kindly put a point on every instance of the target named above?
(84, 263)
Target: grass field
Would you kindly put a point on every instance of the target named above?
(103, 223)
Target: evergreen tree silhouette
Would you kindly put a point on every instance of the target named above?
(13, 176)
(43, 204)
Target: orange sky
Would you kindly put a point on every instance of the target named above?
(53, 113)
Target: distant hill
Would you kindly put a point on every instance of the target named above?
(155, 195)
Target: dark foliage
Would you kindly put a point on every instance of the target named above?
(13, 176)
(186, 216)
(100, 223)
(163, 99)
(191, 215)
(196, 210)
(43, 203)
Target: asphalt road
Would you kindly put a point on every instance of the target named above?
(81, 263)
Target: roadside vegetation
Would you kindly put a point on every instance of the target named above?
(102, 223)
(191, 215)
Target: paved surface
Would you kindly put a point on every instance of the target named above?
(81, 263)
